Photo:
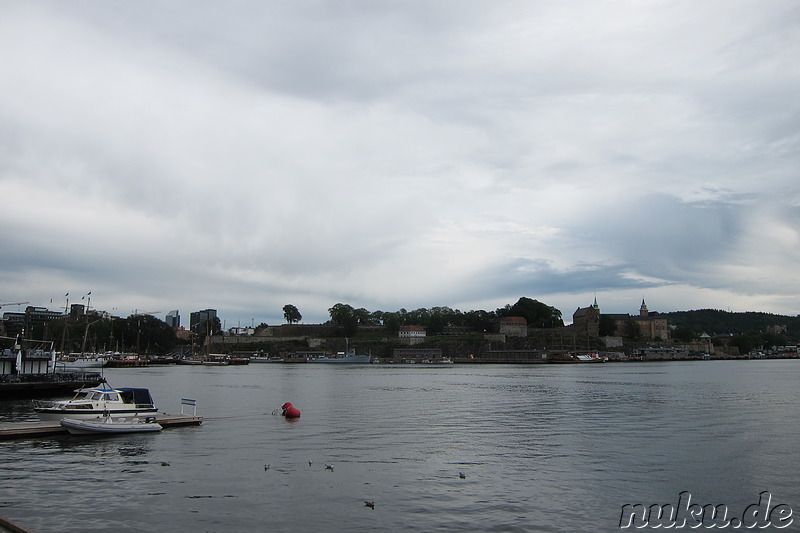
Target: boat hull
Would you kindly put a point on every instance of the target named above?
(352, 359)
(108, 426)
(47, 414)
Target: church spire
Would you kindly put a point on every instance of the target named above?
(643, 309)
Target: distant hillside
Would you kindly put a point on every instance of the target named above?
(715, 322)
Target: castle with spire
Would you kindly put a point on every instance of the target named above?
(586, 320)
(650, 324)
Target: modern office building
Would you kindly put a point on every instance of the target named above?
(16, 323)
(198, 318)
(173, 319)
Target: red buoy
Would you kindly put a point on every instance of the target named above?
(290, 411)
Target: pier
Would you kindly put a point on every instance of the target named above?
(36, 429)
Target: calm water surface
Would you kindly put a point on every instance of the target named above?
(543, 448)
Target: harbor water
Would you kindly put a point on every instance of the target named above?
(536, 448)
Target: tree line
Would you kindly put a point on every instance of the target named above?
(148, 334)
(435, 320)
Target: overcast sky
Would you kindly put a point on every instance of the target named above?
(245, 155)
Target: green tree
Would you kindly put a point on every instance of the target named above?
(684, 334)
(418, 317)
(343, 316)
(391, 321)
(436, 323)
(746, 343)
(480, 321)
(363, 317)
(291, 314)
(632, 329)
(537, 314)
(607, 326)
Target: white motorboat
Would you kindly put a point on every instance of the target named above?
(589, 358)
(96, 402)
(108, 424)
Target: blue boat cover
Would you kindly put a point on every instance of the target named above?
(137, 396)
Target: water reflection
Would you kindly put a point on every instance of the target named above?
(542, 449)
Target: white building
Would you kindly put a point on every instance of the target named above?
(411, 332)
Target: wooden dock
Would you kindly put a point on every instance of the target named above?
(35, 429)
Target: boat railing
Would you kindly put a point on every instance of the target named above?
(188, 402)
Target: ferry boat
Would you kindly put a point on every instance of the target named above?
(97, 401)
(341, 357)
(266, 360)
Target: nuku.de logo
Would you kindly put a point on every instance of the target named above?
(692, 515)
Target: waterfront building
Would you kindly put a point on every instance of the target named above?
(239, 331)
(586, 320)
(412, 335)
(512, 356)
(15, 323)
(407, 332)
(651, 325)
(514, 326)
(661, 354)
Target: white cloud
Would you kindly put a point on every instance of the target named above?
(400, 154)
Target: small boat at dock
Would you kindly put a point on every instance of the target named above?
(98, 401)
(110, 425)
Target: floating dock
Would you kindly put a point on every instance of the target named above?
(35, 429)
